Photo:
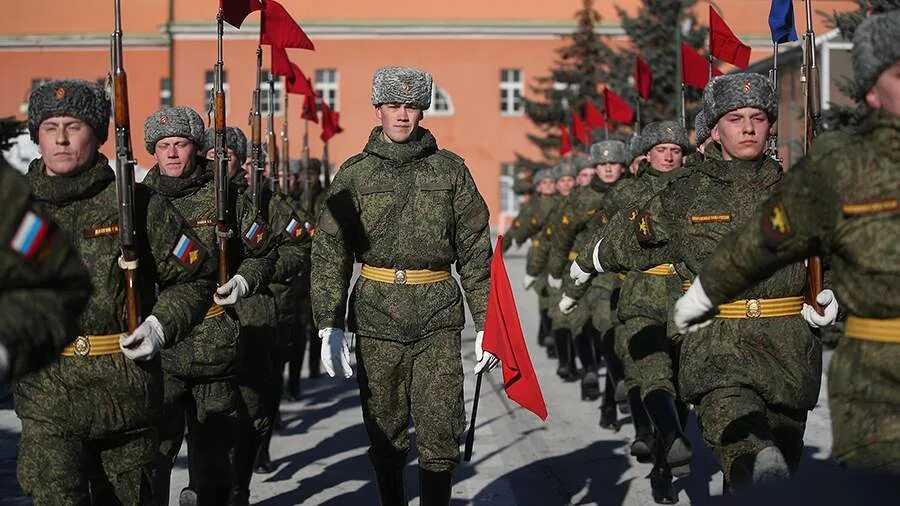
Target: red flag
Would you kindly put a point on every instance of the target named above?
(724, 44)
(309, 106)
(617, 109)
(503, 337)
(234, 12)
(695, 68)
(281, 64)
(279, 29)
(592, 116)
(579, 129)
(330, 126)
(565, 143)
(643, 78)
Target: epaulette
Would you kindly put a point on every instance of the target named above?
(450, 155)
(353, 160)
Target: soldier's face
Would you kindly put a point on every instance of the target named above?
(175, 155)
(398, 121)
(665, 157)
(742, 133)
(546, 187)
(565, 184)
(609, 172)
(233, 162)
(885, 94)
(66, 144)
(585, 176)
(248, 171)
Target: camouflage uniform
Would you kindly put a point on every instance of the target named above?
(405, 206)
(91, 419)
(840, 202)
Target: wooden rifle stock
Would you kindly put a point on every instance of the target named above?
(814, 274)
(223, 230)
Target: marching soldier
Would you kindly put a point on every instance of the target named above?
(840, 201)
(88, 420)
(406, 210)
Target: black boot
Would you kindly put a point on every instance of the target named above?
(661, 478)
(642, 446)
(188, 497)
(590, 386)
(434, 487)
(562, 339)
(609, 419)
(389, 480)
(664, 414)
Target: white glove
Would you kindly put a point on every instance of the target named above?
(595, 257)
(229, 293)
(567, 304)
(335, 349)
(145, 342)
(694, 310)
(527, 281)
(484, 360)
(555, 283)
(578, 275)
(827, 300)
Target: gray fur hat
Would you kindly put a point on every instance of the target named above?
(582, 161)
(566, 168)
(663, 132)
(173, 122)
(234, 139)
(84, 100)
(315, 165)
(701, 127)
(609, 151)
(544, 174)
(402, 85)
(634, 147)
(733, 91)
(876, 46)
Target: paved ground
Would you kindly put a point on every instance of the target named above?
(518, 459)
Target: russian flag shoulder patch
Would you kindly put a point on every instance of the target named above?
(296, 229)
(30, 235)
(255, 234)
(188, 251)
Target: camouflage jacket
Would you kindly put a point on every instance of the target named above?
(401, 206)
(44, 285)
(296, 228)
(840, 202)
(581, 214)
(521, 227)
(548, 213)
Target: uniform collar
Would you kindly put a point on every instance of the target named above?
(421, 145)
(187, 184)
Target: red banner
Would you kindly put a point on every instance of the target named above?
(643, 78)
(617, 109)
(724, 44)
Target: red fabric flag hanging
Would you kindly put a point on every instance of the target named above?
(565, 143)
(279, 29)
(330, 126)
(579, 129)
(310, 111)
(503, 337)
(592, 116)
(299, 85)
(695, 68)
(234, 12)
(617, 109)
(281, 64)
(724, 44)
(643, 78)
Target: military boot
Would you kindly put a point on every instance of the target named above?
(664, 414)
(563, 340)
(434, 487)
(661, 477)
(389, 480)
(188, 497)
(642, 446)
(590, 386)
(263, 463)
(770, 466)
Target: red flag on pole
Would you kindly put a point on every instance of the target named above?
(565, 143)
(330, 126)
(234, 12)
(695, 68)
(299, 85)
(643, 78)
(617, 109)
(724, 44)
(310, 111)
(281, 64)
(279, 29)
(592, 116)
(579, 129)
(503, 337)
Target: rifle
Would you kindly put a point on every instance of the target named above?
(223, 231)
(128, 262)
(326, 168)
(304, 156)
(284, 173)
(255, 136)
(809, 75)
(271, 145)
(772, 141)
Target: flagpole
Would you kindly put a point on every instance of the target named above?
(470, 437)
(709, 66)
(679, 71)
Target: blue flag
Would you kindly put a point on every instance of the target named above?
(781, 21)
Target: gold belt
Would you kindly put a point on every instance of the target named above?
(404, 276)
(85, 346)
(761, 308)
(873, 329)
(661, 270)
(573, 255)
(685, 284)
(214, 311)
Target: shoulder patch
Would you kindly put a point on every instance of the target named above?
(296, 228)
(776, 225)
(30, 235)
(101, 231)
(643, 227)
(201, 222)
(870, 207)
(188, 252)
(255, 234)
(711, 218)
(603, 218)
(631, 213)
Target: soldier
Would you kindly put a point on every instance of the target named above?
(88, 420)
(199, 372)
(43, 277)
(753, 374)
(407, 210)
(840, 201)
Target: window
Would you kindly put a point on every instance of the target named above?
(512, 88)
(327, 85)
(509, 202)
(264, 93)
(441, 104)
(165, 92)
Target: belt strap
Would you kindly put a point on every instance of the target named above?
(761, 308)
(214, 311)
(91, 346)
(573, 255)
(685, 284)
(404, 276)
(873, 329)
(661, 270)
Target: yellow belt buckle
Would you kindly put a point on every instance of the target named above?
(753, 308)
(82, 346)
(400, 277)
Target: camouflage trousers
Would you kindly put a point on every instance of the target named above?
(421, 379)
(647, 355)
(737, 423)
(864, 395)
